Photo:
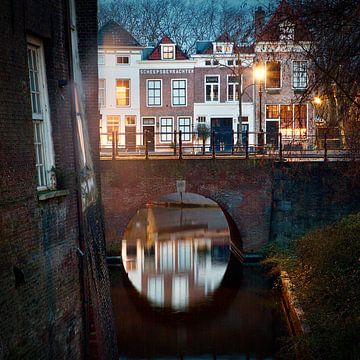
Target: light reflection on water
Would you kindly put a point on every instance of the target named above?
(176, 257)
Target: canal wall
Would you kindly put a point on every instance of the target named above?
(267, 201)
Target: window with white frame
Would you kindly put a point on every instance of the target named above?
(178, 92)
(101, 93)
(123, 92)
(185, 127)
(101, 59)
(122, 60)
(130, 120)
(154, 92)
(44, 156)
(168, 52)
(184, 256)
(166, 129)
(292, 118)
(300, 78)
(112, 122)
(233, 88)
(211, 88)
(166, 256)
(273, 75)
(202, 119)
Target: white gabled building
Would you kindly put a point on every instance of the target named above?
(119, 98)
(218, 66)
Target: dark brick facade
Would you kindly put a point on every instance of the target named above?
(267, 201)
(42, 303)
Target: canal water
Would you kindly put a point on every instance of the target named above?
(180, 293)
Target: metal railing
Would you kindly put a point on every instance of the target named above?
(181, 144)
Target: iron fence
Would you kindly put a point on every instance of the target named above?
(181, 144)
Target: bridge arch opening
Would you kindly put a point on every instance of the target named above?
(177, 250)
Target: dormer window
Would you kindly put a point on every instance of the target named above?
(287, 31)
(223, 48)
(168, 52)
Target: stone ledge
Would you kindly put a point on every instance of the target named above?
(50, 194)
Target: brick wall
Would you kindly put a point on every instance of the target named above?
(41, 301)
(242, 189)
(266, 201)
(167, 109)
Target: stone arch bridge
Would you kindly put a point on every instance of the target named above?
(264, 200)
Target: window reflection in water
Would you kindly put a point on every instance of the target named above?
(176, 257)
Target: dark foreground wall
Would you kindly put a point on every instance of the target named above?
(45, 286)
(266, 200)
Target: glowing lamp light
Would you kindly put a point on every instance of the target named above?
(317, 100)
(259, 73)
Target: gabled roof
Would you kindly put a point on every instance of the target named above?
(224, 38)
(156, 53)
(202, 46)
(206, 47)
(114, 35)
(284, 12)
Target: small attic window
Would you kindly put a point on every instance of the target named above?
(287, 31)
(168, 52)
(223, 48)
(122, 60)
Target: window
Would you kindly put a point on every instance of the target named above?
(272, 111)
(273, 75)
(166, 129)
(202, 119)
(215, 62)
(178, 92)
(184, 256)
(180, 291)
(44, 157)
(168, 52)
(112, 122)
(101, 59)
(154, 92)
(207, 62)
(166, 256)
(233, 88)
(230, 62)
(287, 31)
(148, 121)
(300, 75)
(155, 289)
(291, 118)
(211, 88)
(122, 60)
(185, 127)
(123, 92)
(130, 120)
(101, 93)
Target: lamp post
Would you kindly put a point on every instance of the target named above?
(259, 77)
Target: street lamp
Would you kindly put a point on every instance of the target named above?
(260, 73)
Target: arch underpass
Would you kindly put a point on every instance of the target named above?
(242, 190)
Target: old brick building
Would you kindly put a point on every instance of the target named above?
(53, 274)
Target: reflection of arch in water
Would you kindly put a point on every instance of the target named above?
(177, 220)
(191, 200)
(214, 305)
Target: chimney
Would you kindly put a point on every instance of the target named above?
(259, 20)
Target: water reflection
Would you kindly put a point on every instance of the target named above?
(176, 257)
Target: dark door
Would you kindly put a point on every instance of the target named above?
(150, 137)
(223, 133)
(272, 133)
(130, 138)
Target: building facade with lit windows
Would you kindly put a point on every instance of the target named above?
(166, 95)
(119, 98)
(159, 90)
(279, 50)
(221, 69)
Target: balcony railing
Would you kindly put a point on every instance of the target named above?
(180, 145)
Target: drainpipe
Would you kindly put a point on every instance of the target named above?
(81, 251)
